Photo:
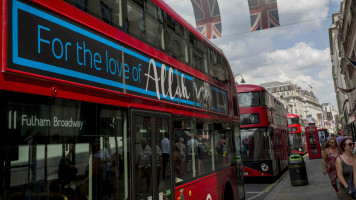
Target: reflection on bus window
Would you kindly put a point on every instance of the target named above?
(205, 147)
(205, 140)
(145, 22)
(249, 99)
(222, 147)
(53, 157)
(255, 144)
(105, 10)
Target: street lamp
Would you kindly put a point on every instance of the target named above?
(242, 79)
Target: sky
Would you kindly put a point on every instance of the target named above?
(297, 51)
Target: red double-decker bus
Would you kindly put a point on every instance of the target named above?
(114, 100)
(264, 133)
(296, 134)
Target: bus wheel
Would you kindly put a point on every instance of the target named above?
(228, 194)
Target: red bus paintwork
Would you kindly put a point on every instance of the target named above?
(23, 82)
(200, 189)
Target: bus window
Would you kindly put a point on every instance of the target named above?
(176, 40)
(205, 144)
(198, 54)
(105, 10)
(249, 99)
(145, 22)
(54, 148)
(255, 144)
(223, 145)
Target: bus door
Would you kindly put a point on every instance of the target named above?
(151, 156)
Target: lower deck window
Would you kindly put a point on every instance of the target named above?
(54, 148)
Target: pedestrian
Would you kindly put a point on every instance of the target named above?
(144, 166)
(331, 136)
(182, 147)
(165, 147)
(344, 165)
(192, 146)
(339, 138)
(331, 152)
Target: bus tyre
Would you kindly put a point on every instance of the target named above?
(228, 194)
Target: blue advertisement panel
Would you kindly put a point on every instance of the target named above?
(43, 43)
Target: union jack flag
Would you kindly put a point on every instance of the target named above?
(207, 18)
(263, 14)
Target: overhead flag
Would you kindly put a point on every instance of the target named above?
(263, 14)
(207, 18)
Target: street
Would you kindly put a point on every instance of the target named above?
(257, 189)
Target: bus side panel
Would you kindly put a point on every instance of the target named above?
(210, 187)
(199, 189)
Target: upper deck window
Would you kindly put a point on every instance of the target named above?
(198, 54)
(293, 120)
(105, 10)
(218, 69)
(145, 22)
(176, 38)
(249, 99)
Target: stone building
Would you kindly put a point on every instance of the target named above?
(330, 118)
(301, 102)
(342, 40)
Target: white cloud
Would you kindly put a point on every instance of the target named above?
(301, 64)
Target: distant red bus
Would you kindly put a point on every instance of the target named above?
(97, 94)
(296, 134)
(264, 132)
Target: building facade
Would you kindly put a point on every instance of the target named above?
(330, 118)
(342, 37)
(301, 102)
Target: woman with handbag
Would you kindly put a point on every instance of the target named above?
(331, 152)
(344, 167)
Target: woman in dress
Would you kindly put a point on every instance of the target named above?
(344, 165)
(331, 152)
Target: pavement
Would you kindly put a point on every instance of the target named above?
(319, 187)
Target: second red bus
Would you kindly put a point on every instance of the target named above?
(263, 132)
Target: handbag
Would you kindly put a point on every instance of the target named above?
(350, 185)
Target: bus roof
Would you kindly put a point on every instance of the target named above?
(249, 88)
(292, 116)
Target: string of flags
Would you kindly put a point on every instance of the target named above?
(207, 18)
(263, 15)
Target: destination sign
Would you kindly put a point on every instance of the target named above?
(43, 43)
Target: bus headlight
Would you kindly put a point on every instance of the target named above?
(300, 149)
(264, 167)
